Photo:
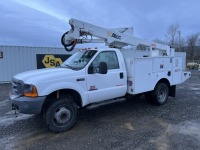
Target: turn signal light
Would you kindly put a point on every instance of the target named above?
(32, 93)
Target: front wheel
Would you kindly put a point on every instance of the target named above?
(160, 94)
(61, 115)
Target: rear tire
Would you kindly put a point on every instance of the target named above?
(61, 115)
(160, 94)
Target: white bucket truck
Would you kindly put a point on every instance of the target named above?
(93, 77)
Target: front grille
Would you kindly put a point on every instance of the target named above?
(17, 87)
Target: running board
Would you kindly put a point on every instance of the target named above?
(98, 104)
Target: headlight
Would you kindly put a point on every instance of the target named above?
(30, 90)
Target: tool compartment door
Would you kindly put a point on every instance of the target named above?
(143, 75)
(177, 70)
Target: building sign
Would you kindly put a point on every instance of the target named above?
(50, 60)
(1, 55)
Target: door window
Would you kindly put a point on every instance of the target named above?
(109, 57)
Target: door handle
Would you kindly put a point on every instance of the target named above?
(80, 79)
(121, 75)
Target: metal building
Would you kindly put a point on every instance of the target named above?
(16, 59)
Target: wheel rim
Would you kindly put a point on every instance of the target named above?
(62, 116)
(162, 94)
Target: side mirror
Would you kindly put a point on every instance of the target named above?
(90, 69)
(103, 68)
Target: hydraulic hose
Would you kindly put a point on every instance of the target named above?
(67, 46)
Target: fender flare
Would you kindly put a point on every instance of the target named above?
(65, 85)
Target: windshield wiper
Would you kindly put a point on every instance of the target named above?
(70, 67)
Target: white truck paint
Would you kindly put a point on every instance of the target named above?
(96, 75)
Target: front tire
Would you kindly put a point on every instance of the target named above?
(61, 115)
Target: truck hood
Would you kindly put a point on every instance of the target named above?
(47, 74)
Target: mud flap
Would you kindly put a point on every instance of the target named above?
(172, 91)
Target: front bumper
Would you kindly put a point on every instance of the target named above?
(27, 105)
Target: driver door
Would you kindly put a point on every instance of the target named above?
(106, 86)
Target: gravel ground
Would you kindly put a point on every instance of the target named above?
(131, 124)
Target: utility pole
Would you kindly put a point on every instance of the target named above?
(179, 41)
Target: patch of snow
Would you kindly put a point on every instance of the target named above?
(7, 143)
(180, 87)
(11, 118)
(4, 102)
(197, 93)
(189, 128)
(194, 89)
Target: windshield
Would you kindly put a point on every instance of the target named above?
(79, 60)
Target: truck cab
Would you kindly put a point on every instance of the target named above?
(88, 76)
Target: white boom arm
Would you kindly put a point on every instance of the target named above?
(117, 38)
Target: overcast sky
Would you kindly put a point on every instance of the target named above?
(42, 22)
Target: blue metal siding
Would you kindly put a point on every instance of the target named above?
(18, 59)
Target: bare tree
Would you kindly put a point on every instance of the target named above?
(141, 47)
(198, 42)
(172, 33)
(182, 44)
(160, 41)
(192, 42)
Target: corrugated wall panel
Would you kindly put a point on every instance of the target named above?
(18, 59)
